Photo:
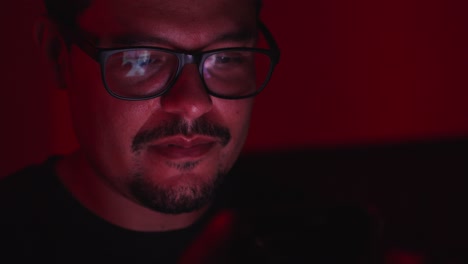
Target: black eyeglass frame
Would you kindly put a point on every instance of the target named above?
(101, 55)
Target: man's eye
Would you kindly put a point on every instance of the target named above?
(223, 59)
(141, 64)
(140, 58)
(141, 61)
(228, 59)
(147, 61)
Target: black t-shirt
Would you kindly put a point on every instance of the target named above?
(42, 223)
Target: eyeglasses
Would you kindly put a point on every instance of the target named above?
(141, 73)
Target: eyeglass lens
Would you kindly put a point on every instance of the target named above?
(146, 72)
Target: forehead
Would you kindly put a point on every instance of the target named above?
(176, 20)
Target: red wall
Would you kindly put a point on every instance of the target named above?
(351, 72)
(357, 71)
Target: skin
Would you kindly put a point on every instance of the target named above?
(143, 188)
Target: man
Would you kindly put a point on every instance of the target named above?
(161, 94)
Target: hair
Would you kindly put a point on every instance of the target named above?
(65, 12)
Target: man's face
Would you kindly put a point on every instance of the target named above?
(170, 152)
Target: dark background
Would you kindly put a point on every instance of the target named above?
(369, 101)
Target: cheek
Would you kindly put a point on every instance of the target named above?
(101, 121)
(244, 113)
(237, 114)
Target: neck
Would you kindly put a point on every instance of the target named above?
(84, 184)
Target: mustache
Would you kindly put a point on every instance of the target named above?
(200, 126)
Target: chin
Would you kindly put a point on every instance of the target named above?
(182, 193)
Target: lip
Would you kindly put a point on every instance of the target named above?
(180, 147)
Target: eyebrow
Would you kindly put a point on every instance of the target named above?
(140, 39)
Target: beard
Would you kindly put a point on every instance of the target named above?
(189, 194)
(175, 199)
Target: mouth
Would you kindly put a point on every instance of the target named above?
(181, 147)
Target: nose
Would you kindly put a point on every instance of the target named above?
(188, 97)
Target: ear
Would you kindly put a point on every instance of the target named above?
(53, 47)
